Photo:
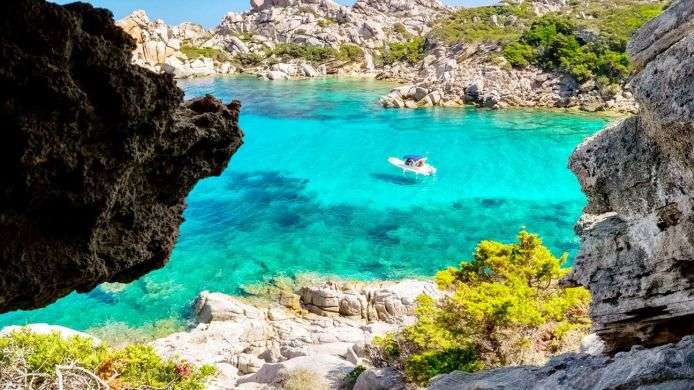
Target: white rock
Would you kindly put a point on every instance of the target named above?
(289, 69)
(309, 71)
(592, 344)
(276, 75)
(380, 379)
(328, 367)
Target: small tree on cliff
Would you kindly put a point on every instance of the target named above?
(504, 307)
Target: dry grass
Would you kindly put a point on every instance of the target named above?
(303, 379)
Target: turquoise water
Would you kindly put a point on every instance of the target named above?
(310, 190)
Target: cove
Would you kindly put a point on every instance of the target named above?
(311, 191)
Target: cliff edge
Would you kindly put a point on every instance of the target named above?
(97, 154)
(637, 231)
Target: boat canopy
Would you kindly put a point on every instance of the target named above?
(413, 157)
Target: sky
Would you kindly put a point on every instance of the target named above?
(206, 12)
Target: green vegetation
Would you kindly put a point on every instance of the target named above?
(347, 52)
(249, 59)
(505, 307)
(52, 359)
(551, 43)
(311, 53)
(245, 36)
(351, 378)
(209, 52)
(411, 51)
(587, 42)
(325, 22)
(475, 24)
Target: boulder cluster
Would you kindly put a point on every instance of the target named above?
(159, 47)
(324, 328)
(462, 74)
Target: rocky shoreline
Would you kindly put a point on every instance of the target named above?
(325, 328)
(446, 76)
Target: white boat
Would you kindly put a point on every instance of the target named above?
(413, 163)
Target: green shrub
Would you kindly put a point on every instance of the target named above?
(250, 59)
(519, 54)
(475, 25)
(209, 52)
(325, 22)
(505, 307)
(551, 43)
(351, 378)
(349, 53)
(134, 366)
(411, 51)
(311, 53)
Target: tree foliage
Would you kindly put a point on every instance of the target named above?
(504, 307)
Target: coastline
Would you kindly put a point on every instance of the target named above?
(612, 115)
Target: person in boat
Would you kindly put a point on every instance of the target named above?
(414, 161)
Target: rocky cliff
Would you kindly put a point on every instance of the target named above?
(637, 232)
(450, 73)
(97, 154)
(637, 249)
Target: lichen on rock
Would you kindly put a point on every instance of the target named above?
(97, 154)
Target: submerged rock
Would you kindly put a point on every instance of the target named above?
(637, 231)
(98, 154)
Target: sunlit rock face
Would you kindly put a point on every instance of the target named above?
(637, 250)
(97, 155)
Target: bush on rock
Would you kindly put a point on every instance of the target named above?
(504, 307)
(80, 362)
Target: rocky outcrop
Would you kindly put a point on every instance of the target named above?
(260, 345)
(97, 154)
(637, 231)
(158, 47)
(666, 367)
(369, 23)
(387, 302)
(464, 74)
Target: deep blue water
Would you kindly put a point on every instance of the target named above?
(310, 190)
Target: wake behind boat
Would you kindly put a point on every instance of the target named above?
(413, 163)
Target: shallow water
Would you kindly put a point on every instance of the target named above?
(310, 190)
